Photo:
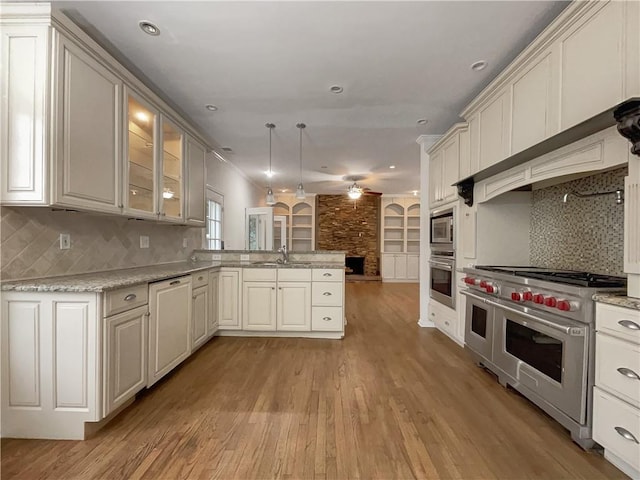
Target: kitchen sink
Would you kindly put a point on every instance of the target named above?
(267, 264)
(271, 263)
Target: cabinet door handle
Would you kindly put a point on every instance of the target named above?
(200, 278)
(326, 319)
(327, 294)
(175, 282)
(327, 275)
(627, 372)
(194, 296)
(131, 296)
(629, 324)
(121, 206)
(626, 434)
(279, 288)
(273, 288)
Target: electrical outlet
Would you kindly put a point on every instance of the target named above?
(216, 256)
(65, 241)
(244, 257)
(144, 241)
(185, 242)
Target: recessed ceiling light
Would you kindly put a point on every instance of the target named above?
(415, 193)
(149, 28)
(336, 89)
(210, 107)
(479, 65)
(283, 190)
(392, 166)
(422, 121)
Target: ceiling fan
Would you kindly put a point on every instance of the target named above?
(355, 191)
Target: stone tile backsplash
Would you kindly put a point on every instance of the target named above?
(31, 247)
(584, 233)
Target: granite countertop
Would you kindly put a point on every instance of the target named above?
(114, 279)
(618, 300)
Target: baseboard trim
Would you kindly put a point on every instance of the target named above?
(426, 324)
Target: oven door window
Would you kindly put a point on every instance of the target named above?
(540, 351)
(442, 281)
(479, 321)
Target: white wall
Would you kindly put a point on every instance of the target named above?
(239, 193)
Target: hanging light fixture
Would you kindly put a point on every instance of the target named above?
(354, 191)
(270, 198)
(300, 195)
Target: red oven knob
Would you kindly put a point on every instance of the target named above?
(469, 281)
(550, 301)
(490, 289)
(516, 297)
(483, 283)
(527, 296)
(566, 305)
(538, 298)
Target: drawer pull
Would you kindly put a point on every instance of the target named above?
(326, 319)
(627, 372)
(626, 434)
(200, 278)
(327, 275)
(327, 294)
(629, 324)
(131, 296)
(175, 282)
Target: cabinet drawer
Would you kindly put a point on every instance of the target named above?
(199, 279)
(618, 321)
(294, 274)
(125, 299)
(259, 274)
(613, 418)
(618, 367)
(329, 294)
(327, 319)
(327, 275)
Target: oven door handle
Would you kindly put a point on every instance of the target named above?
(554, 326)
(443, 266)
(472, 295)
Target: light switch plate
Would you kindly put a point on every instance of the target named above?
(144, 241)
(244, 257)
(216, 256)
(65, 241)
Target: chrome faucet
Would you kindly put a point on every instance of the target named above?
(285, 254)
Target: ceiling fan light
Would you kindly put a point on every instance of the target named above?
(354, 191)
(270, 198)
(300, 193)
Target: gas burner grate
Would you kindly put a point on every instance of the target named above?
(581, 279)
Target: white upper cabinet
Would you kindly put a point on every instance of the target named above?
(450, 169)
(445, 160)
(435, 177)
(87, 138)
(80, 131)
(533, 116)
(583, 64)
(24, 136)
(195, 207)
(594, 64)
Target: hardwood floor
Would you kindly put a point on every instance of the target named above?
(391, 400)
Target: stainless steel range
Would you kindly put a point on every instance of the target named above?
(534, 328)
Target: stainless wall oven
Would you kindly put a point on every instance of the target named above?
(442, 273)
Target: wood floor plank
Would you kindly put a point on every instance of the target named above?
(389, 401)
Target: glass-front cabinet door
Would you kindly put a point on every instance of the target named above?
(171, 181)
(141, 141)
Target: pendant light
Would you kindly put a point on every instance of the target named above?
(300, 195)
(270, 198)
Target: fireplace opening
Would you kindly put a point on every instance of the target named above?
(355, 266)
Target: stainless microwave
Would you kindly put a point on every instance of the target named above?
(442, 227)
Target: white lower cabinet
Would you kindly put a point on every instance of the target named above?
(199, 316)
(259, 305)
(125, 356)
(229, 299)
(327, 300)
(169, 326)
(400, 267)
(616, 395)
(294, 306)
(212, 317)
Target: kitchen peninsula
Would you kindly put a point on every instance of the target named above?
(77, 349)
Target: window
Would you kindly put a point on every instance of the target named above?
(213, 235)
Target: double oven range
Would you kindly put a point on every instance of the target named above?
(534, 328)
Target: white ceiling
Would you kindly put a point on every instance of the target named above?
(274, 62)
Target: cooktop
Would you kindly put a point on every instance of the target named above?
(569, 277)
